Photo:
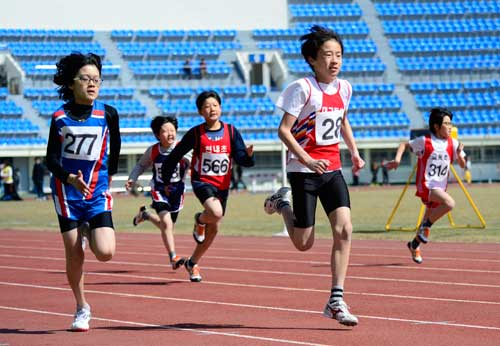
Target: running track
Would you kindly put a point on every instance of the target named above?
(255, 291)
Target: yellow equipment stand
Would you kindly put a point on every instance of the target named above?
(422, 208)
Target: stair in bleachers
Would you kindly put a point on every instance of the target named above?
(390, 48)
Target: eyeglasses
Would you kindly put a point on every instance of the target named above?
(87, 79)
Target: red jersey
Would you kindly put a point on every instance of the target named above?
(211, 162)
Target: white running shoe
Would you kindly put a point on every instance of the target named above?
(416, 255)
(198, 230)
(340, 311)
(82, 319)
(272, 203)
(194, 271)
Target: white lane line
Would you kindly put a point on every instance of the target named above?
(246, 306)
(130, 239)
(260, 259)
(159, 326)
(366, 278)
(282, 288)
(240, 250)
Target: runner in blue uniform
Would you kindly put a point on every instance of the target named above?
(77, 157)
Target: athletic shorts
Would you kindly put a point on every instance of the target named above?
(100, 220)
(96, 211)
(426, 201)
(164, 207)
(204, 191)
(171, 203)
(330, 187)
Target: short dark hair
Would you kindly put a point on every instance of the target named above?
(67, 69)
(436, 117)
(158, 122)
(313, 41)
(205, 95)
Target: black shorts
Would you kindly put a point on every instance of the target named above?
(331, 189)
(162, 206)
(204, 191)
(100, 220)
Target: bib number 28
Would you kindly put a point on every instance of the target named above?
(328, 127)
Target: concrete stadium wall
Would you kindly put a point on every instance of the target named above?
(144, 14)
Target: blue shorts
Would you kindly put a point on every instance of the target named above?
(83, 210)
(171, 203)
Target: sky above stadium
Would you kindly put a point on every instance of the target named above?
(144, 14)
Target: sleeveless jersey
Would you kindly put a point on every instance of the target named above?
(433, 166)
(318, 125)
(211, 162)
(83, 147)
(176, 181)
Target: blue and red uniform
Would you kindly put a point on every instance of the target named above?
(176, 186)
(79, 142)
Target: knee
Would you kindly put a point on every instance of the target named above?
(343, 234)
(304, 246)
(450, 204)
(104, 256)
(215, 215)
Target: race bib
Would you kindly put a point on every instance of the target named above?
(175, 175)
(327, 128)
(214, 164)
(437, 168)
(82, 142)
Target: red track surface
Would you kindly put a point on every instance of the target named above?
(255, 291)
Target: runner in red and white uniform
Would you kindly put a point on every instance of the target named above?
(436, 152)
(215, 145)
(314, 120)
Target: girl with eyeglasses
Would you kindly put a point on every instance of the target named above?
(77, 155)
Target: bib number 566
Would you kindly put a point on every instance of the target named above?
(215, 166)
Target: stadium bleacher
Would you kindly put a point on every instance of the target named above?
(418, 33)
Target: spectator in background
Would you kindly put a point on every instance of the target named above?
(3, 77)
(17, 181)
(467, 171)
(236, 178)
(203, 68)
(37, 176)
(7, 175)
(355, 178)
(385, 172)
(187, 68)
(374, 169)
(9, 182)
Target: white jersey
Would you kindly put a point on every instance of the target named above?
(435, 157)
(320, 109)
